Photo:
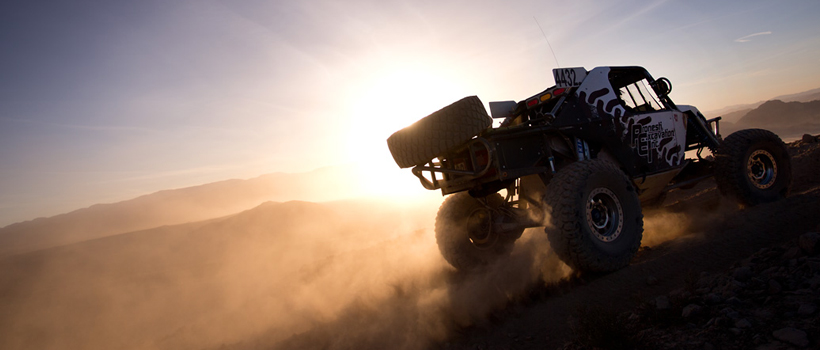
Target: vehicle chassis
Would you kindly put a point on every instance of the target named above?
(536, 140)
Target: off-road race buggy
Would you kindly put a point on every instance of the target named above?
(580, 158)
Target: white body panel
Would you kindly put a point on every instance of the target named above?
(662, 136)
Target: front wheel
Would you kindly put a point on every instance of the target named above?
(465, 234)
(596, 222)
(752, 166)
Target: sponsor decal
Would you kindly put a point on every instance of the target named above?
(646, 138)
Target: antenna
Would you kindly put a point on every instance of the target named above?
(548, 41)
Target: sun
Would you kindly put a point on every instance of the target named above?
(391, 101)
(387, 102)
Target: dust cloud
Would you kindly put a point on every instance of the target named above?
(334, 275)
(701, 211)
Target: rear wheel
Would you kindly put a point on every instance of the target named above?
(439, 132)
(596, 219)
(753, 166)
(464, 231)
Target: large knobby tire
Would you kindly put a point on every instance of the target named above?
(595, 216)
(464, 231)
(752, 166)
(439, 132)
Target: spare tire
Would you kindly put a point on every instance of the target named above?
(439, 132)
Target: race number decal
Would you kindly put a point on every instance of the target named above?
(569, 77)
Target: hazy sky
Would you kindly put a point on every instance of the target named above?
(105, 100)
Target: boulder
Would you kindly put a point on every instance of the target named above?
(691, 310)
(808, 242)
(743, 274)
(792, 335)
(662, 302)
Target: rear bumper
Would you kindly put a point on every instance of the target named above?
(484, 160)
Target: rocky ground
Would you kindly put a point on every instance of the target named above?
(735, 279)
(768, 301)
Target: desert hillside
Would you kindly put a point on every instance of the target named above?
(275, 269)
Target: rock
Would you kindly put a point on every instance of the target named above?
(792, 336)
(712, 298)
(728, 294)
(743, 274)
(775, 345)
(774, 287)
(792, 253)
(711, 322)
(808, 138)
(730, 313)
(651, 281)
(743, 324)
(691, 310)
(722, 321)
(770, 272)
(806, 309)
(814, 282)
(662, 302)
(814, 266)
(808, 242)
(763, 314)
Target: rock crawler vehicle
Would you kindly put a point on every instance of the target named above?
(580, 158)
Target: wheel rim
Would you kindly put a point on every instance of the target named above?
(479, 228)
(605, 216)
(761, 169)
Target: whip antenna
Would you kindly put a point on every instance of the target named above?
(548, 41)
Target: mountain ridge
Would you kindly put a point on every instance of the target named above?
(174, 206)
(787, 119)
(726, 112)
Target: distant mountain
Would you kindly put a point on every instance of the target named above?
(777, 113)
(787, 119)
(805, 96)
(176, 206)
(733, 113)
